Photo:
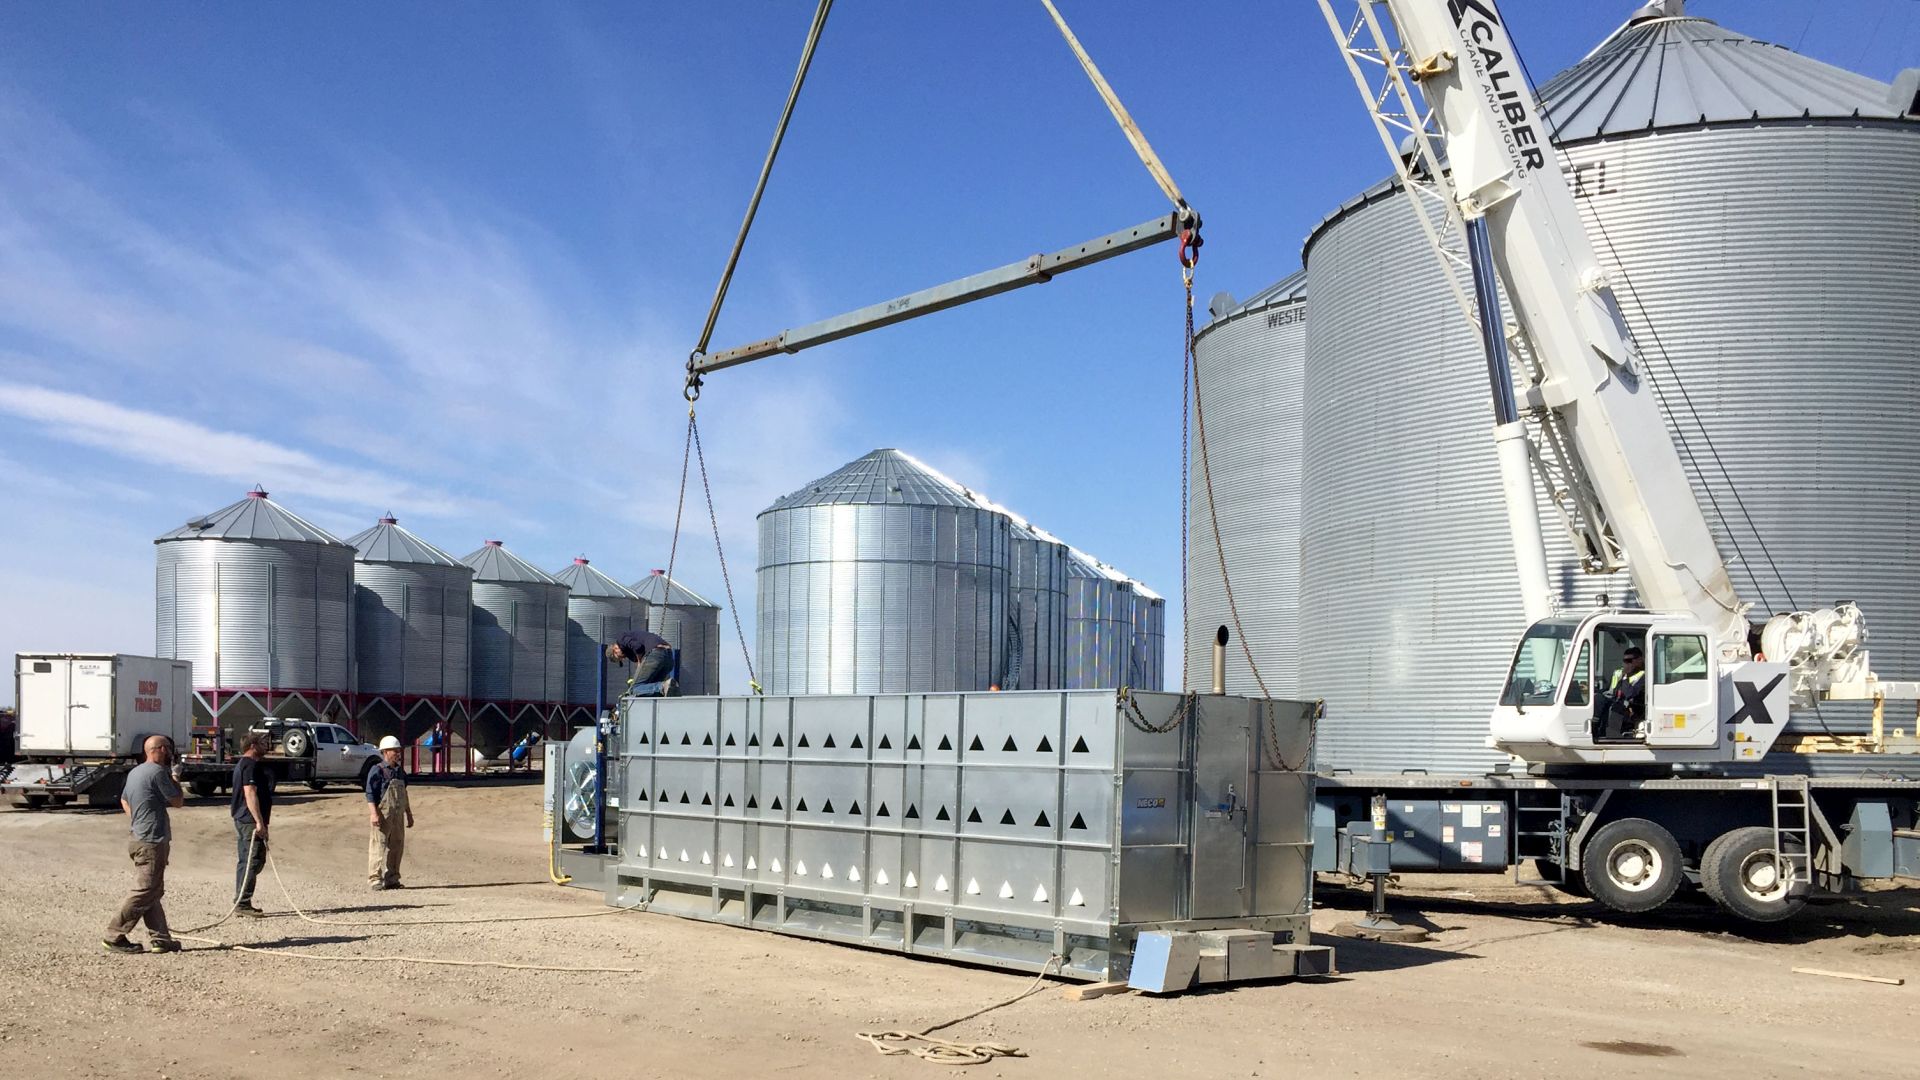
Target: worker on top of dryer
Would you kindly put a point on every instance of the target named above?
(1626, 696)
(652, 659)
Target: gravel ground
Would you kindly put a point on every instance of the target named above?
(1514, 983)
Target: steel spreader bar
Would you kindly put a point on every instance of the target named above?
(1032, 270)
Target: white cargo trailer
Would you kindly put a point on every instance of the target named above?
(99, 705)
(83, 719)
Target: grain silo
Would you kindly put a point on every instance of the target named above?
(258, 600)
(519, 644)
(1037, 578)
(690, 623)
(412, 619)
(1099, 624)
(883, 577)
(1147, 652)
(1759, 210)
(1251, 358)
(599, 610)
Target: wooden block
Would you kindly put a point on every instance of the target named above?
(1086, 991)
(1850, 975)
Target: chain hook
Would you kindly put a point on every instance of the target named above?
(691, 391)
(1190, 239)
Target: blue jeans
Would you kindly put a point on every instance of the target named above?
(250, 857)
(653, 667)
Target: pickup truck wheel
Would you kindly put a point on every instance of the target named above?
(316, 785)
(1632, 865)
(298, 743)
(204, 789)
(1745, 875)
(365, 771)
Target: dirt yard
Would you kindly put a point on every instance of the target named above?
(1521, 986)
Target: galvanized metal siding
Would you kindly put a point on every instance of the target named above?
(256, 614)
(519, 641)
(593, 623)
(1038, 580)
(412, 624)
(1148, 655)
(882, 598)
(1099, 628)
(1252, 368)
(1775, 262)
(695, 631)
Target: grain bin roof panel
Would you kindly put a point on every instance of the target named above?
(255, 517)
(883, 477)
(493, 562)
(657, 588)
(389, 542)
(581, 579)
(1288, 290)
(1681, 71)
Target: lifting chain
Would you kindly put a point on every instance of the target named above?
(694, 452)
(1138, 719)
(1273, 735)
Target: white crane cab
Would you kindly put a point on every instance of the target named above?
(1620, 687)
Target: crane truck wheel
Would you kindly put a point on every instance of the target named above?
(1742, 873)
(1572, 886)
(1632, 865)
(203, 789)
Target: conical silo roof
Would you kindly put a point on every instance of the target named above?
(387, 542)
(658, 589)
(883, 477)
(1665, 68)
(255, 517)
(581, 579)
(493, 562)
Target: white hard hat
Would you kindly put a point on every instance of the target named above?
(389, 743)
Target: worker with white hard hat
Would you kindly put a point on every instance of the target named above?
(389, 815)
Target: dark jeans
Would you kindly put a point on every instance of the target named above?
(653, 667)
(250, 857)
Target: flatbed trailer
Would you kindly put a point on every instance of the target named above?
(1759, 846)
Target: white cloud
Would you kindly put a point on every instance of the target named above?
(203, 451)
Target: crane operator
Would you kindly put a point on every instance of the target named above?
(1625, 701)
(652, 658)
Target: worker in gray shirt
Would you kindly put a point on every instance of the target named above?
(149, 791)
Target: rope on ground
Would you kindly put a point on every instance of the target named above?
(194, 934)
(295, 955)
(923, 1045)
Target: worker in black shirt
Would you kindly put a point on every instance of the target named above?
(652, 659)
(252, 807)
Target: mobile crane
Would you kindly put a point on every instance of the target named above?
(1623, 815)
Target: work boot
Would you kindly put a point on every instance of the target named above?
(378, 886)
(119, 943)
(164, 945)
(394, 884)
(249, 911)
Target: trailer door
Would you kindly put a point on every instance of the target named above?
(90, 708)
(41, 684)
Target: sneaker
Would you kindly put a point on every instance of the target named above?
(164, 945)
(378, 886)
(249, 911)
(120, 944)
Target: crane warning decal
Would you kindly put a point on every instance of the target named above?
(1506, 92)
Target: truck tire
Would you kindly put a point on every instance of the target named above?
(297, 743)
(1739, 871)
(1632, 865)
(203, 789)
(365, 771)
(316, 785)
(33, 802)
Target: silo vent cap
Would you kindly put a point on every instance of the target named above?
(579, 560)
(258, 492)
(1659, 9)
(1906, 92)
(389, 519)
(494, 543)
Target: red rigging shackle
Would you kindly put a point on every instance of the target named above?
(1190, 242)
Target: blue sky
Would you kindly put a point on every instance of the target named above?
(447, 260)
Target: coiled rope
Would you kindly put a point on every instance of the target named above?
(923, 1045)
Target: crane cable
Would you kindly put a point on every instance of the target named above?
(692, 449)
